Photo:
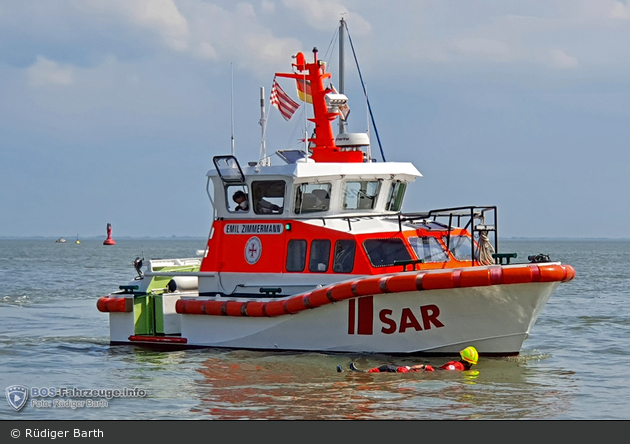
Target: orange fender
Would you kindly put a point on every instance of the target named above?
(569, 273)
(552, 273)
(401, 283)
(521, 275)
(189, 306)
(342, 291)
(213, 308)
(114, 305)
(180, 306)
(256, 309)
(437, 281)
(368, 286)
(235, 308)
(468, 277)
(475, 278)
(296, 304)
(275, 308)
(318, 297)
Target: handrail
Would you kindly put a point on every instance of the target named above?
(412, 262)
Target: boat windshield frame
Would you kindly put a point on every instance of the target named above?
(229, 169)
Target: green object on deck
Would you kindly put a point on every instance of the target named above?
(500, 256)
(412, 262)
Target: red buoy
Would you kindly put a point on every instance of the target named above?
(109, 240)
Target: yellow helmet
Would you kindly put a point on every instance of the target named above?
(469, 354)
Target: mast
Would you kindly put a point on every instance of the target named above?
(264, 160)
(232, 105)
(342, 80)
(325, 110)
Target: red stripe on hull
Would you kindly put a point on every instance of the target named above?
(366, 316)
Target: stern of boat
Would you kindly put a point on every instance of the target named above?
(144, 309)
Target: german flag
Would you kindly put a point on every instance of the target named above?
(304, 90)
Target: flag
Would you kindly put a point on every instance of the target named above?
(304, 90)
(344, 110)
(281, 100)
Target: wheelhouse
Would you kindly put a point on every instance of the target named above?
(332, 219)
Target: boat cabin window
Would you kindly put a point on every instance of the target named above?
(237, 198)
(396, 195)
(320, 256)
(428, 249)
(461, 247)
(343, 261)
(360, 195)
(312, 197)
(384, 252)
(296, 255)
(268, 196)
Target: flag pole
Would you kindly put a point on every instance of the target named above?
(264, 161)
(342, 80)
(232, 104)
(305, 111)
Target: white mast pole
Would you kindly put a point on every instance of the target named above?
(232, 104)
(305, 113)
(367, 118)
(264, 160)
(342, 80)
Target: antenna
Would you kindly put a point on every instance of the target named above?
(367, 118)
(232, 104)
(342, 80)
(264, 160)
(305, 114)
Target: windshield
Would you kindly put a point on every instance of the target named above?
(384, 252)
(428, 249)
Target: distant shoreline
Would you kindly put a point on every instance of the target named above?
(205, 238)
(70, 239)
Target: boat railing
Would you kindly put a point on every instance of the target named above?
(456, 216)
(448, 217)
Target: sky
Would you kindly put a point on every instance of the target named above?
(111, 110)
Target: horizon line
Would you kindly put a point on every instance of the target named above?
(94, 237)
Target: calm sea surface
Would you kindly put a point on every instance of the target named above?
(573, 366)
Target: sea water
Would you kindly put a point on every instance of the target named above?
(52, 337)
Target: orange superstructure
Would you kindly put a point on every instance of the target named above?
(323, 146)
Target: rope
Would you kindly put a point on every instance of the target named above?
(331, 49)
(365, 92)
(485, 249)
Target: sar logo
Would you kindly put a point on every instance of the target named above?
(17, 396)
(253, 250)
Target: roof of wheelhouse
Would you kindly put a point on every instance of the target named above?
(401, 170)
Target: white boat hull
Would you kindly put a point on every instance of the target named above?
(435, 312)
(496, 320)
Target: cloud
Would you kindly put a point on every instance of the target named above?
(267, 6)
(46, 72)
(484, 49)
(160, 16)
(320, 14)
(254, 35)
(560, 59)
(620, 11)
(238, 35)
(595, 10)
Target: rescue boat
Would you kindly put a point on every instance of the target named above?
(309, 250)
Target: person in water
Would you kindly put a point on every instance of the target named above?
(469, 357)
(241, 201)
